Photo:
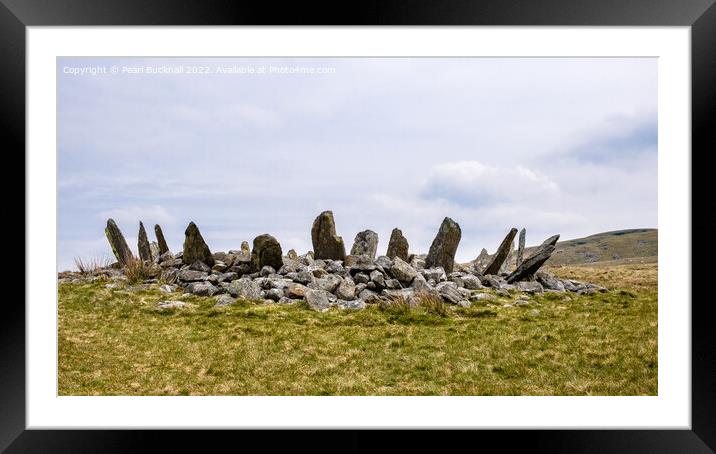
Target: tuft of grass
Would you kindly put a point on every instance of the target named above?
(113, 342)
(433, 305)
(90, 266)
(136, 270)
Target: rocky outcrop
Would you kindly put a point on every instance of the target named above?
(195, 249)
(533, 263)
(145, 252)
(501, 255)
(442, 250)
(118, 243)
(163, 248)
(326, 243)
(365, 244)
(398, 245)
(266, 252)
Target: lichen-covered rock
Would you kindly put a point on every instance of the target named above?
(326, 243)
(245, 288)
(118, 243)
(397, 245)
(225, 300)
(195, 249)
(163, 248)
(449, 292)
(501, 255)
(365, 244)
(444, 246)
(266, 252)
(201, 289)
(189, 275)
(403, 271)
(346, 290)
(317, 300)
(532, 287)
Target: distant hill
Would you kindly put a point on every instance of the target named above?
(617, 246)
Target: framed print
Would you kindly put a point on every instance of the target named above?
(484, 222)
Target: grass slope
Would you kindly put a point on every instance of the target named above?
(620, 246)
(115, 342)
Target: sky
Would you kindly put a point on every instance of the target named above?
(246, 146)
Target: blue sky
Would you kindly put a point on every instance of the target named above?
(563, 145)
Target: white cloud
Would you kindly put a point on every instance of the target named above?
(473, 184)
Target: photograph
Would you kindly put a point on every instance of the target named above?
(357, 226)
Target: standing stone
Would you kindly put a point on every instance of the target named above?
(154, 249)
(195, 249)
(245, 246)
(145, 253)
(398, 245)
(533, 263)
(160, 239)
(366, 244)
(118, 243)
(505, 268)
(494, 266)
(292, 254)
(266, 252)
(326, 244)
(442, 250)
(521, 248)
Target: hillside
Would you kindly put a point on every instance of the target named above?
(618, 246)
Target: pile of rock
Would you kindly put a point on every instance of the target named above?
(328, 277)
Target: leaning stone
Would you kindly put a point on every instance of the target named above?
(317, 300)
(402, 271)
(501, 255)
(163, 248)
(245, 288)
(326, 243)
(195, 249)
(444, 246)
(365, 244)
(266, 252)
(397, 245)
(505, 268)
(521, 248)
(533, 263)
(118, 243)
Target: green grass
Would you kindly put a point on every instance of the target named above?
(115, 342)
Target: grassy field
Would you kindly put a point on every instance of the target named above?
(115, 342)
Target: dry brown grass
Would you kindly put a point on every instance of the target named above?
(136, 270)
(90, 266)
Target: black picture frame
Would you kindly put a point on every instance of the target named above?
(700, 15)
